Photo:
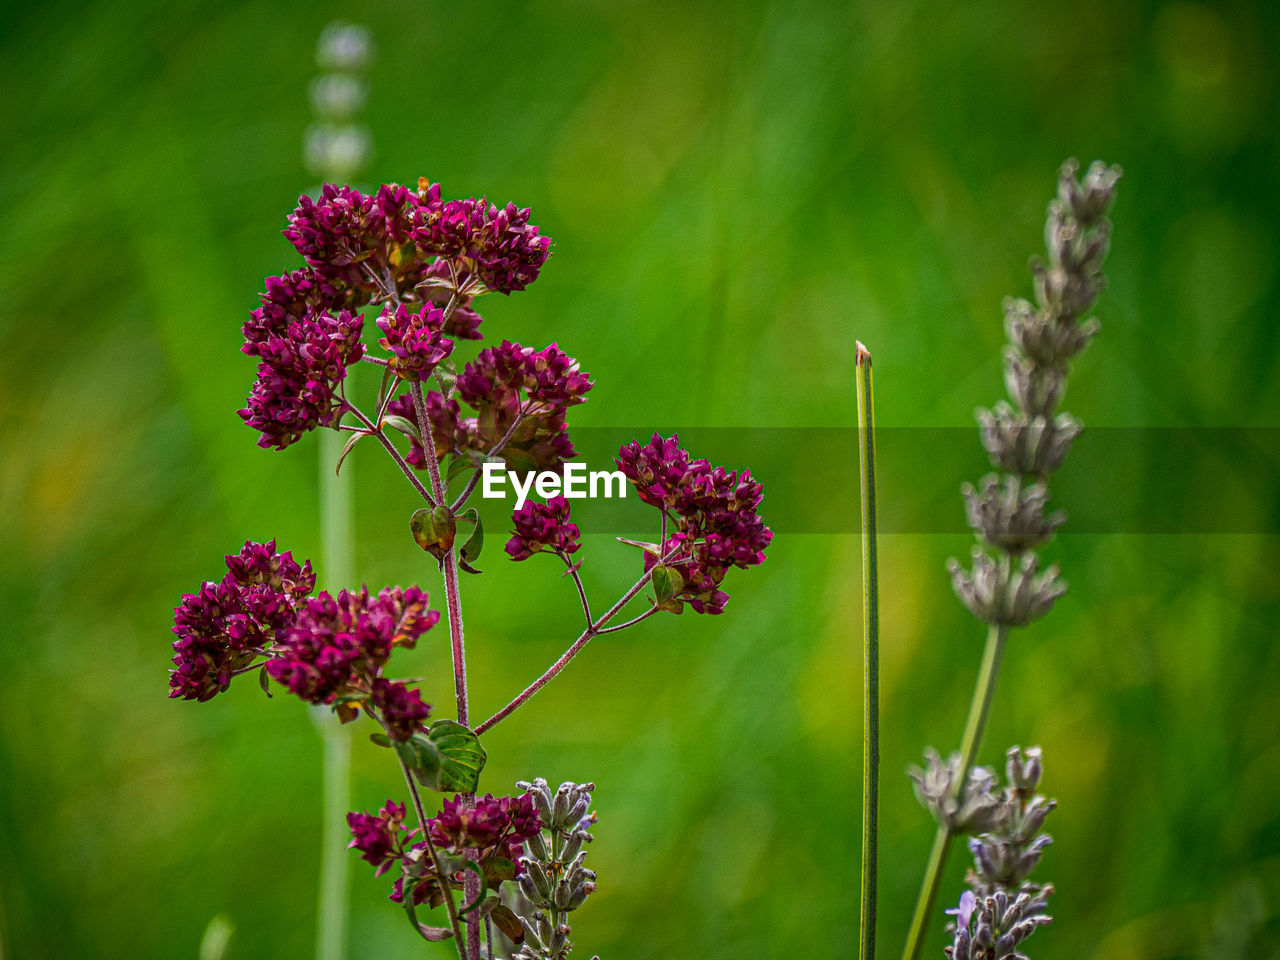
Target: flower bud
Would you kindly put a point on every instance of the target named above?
(1024, 769)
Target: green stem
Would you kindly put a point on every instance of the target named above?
(336, 539)
(870, 657)
(979, 708)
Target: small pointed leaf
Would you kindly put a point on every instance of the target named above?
(408, 428)
(422, 758)
(653, 548)
(470, 551)
(498, 869)
(347, 447)
(433, 530)
(457, 465)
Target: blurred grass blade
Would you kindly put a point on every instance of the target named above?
(213, 945)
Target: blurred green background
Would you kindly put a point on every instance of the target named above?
(736, 191)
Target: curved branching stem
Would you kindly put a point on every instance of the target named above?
(454, 925)
(497, 448)
(594, 629)
(390, 447)
(628, 623)
(572, 571)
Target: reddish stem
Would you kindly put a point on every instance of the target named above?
(592, 630)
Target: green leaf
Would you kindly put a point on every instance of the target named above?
(347, 447)
(470, 551)
(405, 253)
(406, 427)
(263, 678)
(457, 465)
(446, 376)
(667, 584)
(461, 756)
(422, 758)
(381, 739)
(653, 548)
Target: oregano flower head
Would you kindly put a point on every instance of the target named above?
(716, 523)
(419, 262)
(543, 526)
(416, 340)
(379, 837)
(298, 377)
(339, 645)
(225, 625)
(511, 381)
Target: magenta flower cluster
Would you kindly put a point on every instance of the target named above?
(379, 837)
(415, 340)
(298, 376)
(714, 511)
(501, 384)
(496, 245)
(543, 527)
(416, 263)
(510, 381)
(339, 645)
(225, 625)
(362, 249)
(321, 648)
(491, 826)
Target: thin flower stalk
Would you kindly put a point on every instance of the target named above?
(870, 656)
(1026, 440)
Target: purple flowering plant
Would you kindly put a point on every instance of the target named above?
(506, 870)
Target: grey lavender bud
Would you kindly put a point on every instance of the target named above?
(1011, 516)
(555, 881)
(1090, 199)
(1036, 388)
(1004, 591)
(1042, 338)
(1006, 853)
(345, 46)
(1023, 443)
(535, 883)
(566, 809)
(1024, 768)
(936, 789)
(999, 865)
(992, 928)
